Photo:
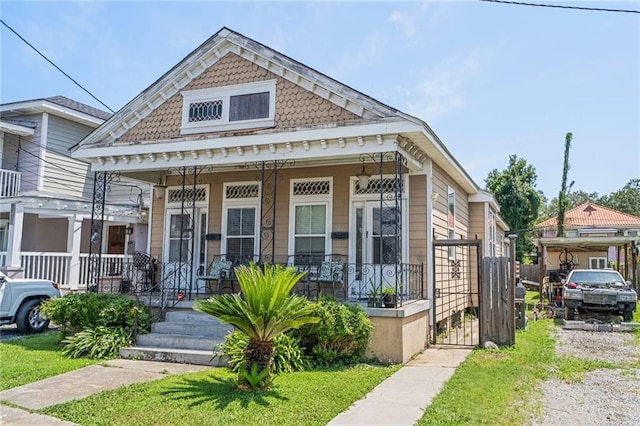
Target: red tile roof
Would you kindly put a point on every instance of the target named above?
(590, 214)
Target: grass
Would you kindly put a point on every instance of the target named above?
(501, 387)
(29, 359)
(209, 398)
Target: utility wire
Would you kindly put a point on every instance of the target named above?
(57, 67)
(558, 6)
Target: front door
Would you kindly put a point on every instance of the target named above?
(181, 251)
(115, 242)
(374, 247)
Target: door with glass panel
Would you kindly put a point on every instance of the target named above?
(375, 247)
(184, 240)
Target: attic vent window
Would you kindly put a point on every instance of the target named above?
(205, 111)
(237, 107)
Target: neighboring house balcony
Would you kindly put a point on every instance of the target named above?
(9, 183)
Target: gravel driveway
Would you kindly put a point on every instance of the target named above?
(602, 397)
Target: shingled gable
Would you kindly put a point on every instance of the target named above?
(226, 46)
(593, 215)
(344, 124)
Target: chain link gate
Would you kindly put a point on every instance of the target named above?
(457, 278)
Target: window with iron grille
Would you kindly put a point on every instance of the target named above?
(241, 106)
(310, 219)
(205, 111)
(240, 220)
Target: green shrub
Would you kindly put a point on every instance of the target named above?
(99, 323)
(340, 337)
(287, 354)
(79, 311)
(98, 342)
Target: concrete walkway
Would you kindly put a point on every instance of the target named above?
(399, 400)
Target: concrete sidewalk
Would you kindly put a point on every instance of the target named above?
(402, 398)
(399, 400)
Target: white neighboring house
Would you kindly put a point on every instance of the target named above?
(46, 196)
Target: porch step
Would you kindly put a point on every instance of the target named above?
(185, 337)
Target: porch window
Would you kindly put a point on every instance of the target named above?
(310, 238)
(240, 223)
(451, 219)
(310, 220)
(597, 262)
(241, 106)
(241, 230)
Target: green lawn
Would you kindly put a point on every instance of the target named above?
(501, 387)
(29, 359)
(208, 398)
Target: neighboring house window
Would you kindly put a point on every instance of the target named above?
(309, 226)
(242, 106)
(597, 262)
(240, 220)
(571, 234)
(451, 219)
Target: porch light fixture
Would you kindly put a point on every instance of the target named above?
(363, 178)
(160, 191)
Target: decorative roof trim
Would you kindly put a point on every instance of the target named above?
(209, 53)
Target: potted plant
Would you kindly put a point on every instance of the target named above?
(389, 297)
(374, 299)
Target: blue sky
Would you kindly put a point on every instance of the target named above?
(490, 79)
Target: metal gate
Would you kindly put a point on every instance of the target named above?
(457, 278)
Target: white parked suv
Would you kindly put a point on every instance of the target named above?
(20, 301)
(599, 291)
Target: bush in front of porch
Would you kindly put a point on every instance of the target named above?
(97, 325)
(264, 309)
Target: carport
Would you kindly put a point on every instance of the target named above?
(551, 248)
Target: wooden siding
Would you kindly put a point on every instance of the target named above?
(580, 258)
(295, 106)
(67, 176)
(63, 134)
(339, 216)
(417, 219)
(26, 161)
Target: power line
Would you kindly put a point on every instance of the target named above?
(558, 6)
(57, 67)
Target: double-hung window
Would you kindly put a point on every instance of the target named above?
(241, 106)
(310, 219)
(240, 221)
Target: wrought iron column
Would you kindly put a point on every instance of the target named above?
(101, 183)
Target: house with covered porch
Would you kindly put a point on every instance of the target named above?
(46, 197)
(257, 157)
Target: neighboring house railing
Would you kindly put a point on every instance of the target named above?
(57, 266)
(9, 183)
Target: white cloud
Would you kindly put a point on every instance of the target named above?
(405, 22)
(439, 90)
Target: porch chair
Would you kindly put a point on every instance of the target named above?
(331, 272)
(219, 271)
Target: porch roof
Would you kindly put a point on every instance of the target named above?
(583, 243)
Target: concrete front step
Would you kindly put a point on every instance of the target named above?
(181, 356)
(216, 331)
(186, 336)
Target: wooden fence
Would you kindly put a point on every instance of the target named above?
(498, 302)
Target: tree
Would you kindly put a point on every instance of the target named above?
(562, 196)
(265, 310)
(514, 189)
(626, 200)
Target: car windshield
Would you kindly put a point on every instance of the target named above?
(595, 277)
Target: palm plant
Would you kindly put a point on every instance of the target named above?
(265, 309)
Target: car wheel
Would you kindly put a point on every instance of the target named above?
(569, 314)
(28, 319)
(627, 315)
